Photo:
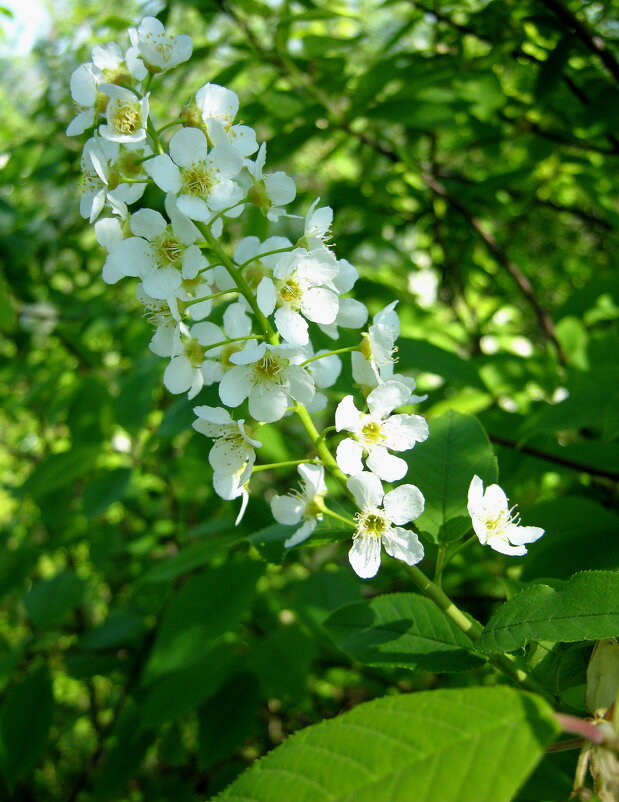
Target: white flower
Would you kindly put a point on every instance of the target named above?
(269, 377)
(367, 377)
(126, 115)
(216, 362)
(158, 50)
(352, 314)
(495, 523)
(269, 192)
(302, 505)
(302, 289)
(249, 252)
(161, 254)
(233, 449)
(318, 222)
(201, 180)
(378, 431)
(102, 164)
(218, 107)
(165, 317)
(380, 522)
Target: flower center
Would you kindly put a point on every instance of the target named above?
(268, 368)
(194, 352)
(372, 523)
(372, 433)
(501, 519)
(290, 292)
(126, 118)
(197, 180)
(167, 250)
(226, 352)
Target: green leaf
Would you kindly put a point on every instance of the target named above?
(443, 466)
(49, 601)
(203, 609)
(401, 629)
(189, 558)
(422, 355)
(457, 745)
(565, 549)
(25, 719)
(585, 608)
(178, 692)
(59, 470)
(105, 489)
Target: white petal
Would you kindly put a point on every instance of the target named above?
(352, 314)
(403, 431)
(387, 397)
(128, 258)
(347, 416)
(367, 490)
(320, 305)
(362, 371)
(518, 535)
(84, 85)
(404, 504)
(188, 146)
(475, 495)
(403, 545)
(109, 232)
(195, 209)
(346, 277)
(267, 402)
(280, 188)
(249, 354)
(217, 101)
(302, 533)
(300, 384)
(162, 282)
(287, 510)
(495, 499)
(266, 295)
(290, 325)
(164, 173)
(385, 465)
(243, 139)
(217, 415)
(179, 375)
(147, 223)
(228, 456)
(237, 322)
(502, 546)
(226, 160)
(313, 480)
(348, 457)
(364, 556)
(325, 371)
(235, 386)
(207, 333)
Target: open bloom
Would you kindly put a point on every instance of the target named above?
(201, 179)
(218, 107)
(158, 50)
(302, 289)
(126, 115)
(302, 505)
(380, 522)
(269, 192)
(102, 180)
(377, 432)
(233, 450)
(495, 524)
(268, 376)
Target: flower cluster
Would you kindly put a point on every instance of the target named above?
(243, 323)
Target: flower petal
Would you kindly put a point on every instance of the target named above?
(287, 510)
(348, 457)
(385, 465)
(387, 397)
(367, 490)
(404, 504)
(403, 545)
(364, 556)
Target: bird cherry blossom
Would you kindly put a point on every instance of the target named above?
(126, 115)
(379, 522)
(218, 106)
(302, 505)
(158, 50)
(377, 432)
(269, 376)
(495, 523)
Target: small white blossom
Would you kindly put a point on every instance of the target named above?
(103, 164)
(233, 449)
(201, 179)
(269, 192)
(380, 522)
(378, 432)
(162, 254)
(218, 107)
(318, 222)
(126, 115)
(250, 249)
(301, 288)
(302, 505)
(367, 377)
(216, 362)
(158, 50)
(494, 522)
(268, 376)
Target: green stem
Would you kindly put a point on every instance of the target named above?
(338, 517)
(150, 127)
(169, 125)
(233, 340)
(331, 353)
(271, 465)
(509, 664)
(260, 255)
(319, 444)
(240, 282)
(210, 297)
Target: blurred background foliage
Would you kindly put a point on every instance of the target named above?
(149, 649)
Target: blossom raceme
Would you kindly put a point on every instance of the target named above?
(495, 523)
(379, 523)
(242, 324)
